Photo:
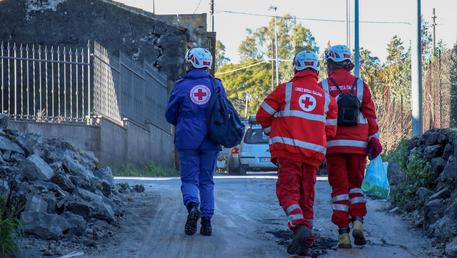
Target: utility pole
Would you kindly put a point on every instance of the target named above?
(348, 23)
(212, 37)
(276, 44)
(211, 11)
(154, 6)
(433, 109)
(416, 74)
(356, 40)
(434, 33)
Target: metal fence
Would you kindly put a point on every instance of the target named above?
(67, 84)
(44, 82)
(440, 92)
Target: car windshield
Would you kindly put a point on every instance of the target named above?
(255, 136)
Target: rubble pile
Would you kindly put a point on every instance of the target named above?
(433, 205)
(56, 189)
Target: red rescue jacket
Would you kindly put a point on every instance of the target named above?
(299, 116)
(352, 139)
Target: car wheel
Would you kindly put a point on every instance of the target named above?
(233, 170)
(243, 170)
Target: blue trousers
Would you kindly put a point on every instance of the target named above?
(197, 185)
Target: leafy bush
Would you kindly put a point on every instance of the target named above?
(150, 170)
(417, 172)
(399, 154)
(9, 230)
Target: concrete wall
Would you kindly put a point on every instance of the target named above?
(113, 144)
(133, 144)
(83, 136)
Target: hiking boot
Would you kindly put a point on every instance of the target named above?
(344, 241)
(192, 219)
(206, 228)
(298, 245)
(357, 232)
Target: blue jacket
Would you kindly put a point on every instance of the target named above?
(187, 108)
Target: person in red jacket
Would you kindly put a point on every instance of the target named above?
(298, 116)
(357, 135)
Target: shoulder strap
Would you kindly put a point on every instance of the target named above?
(216, 88)
(336, 84)
(354, 84)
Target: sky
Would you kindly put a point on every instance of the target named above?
(231, 28)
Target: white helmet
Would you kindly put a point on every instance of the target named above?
(306, 59)
(199, 58)
(338, 53)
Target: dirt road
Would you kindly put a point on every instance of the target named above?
(249, 223)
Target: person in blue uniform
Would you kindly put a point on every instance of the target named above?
(186, 110)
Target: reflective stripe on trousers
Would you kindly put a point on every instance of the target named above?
(356, 191)
(292, 208)
(340, 207)
(296, 216)
(341, 197)
(357, 199)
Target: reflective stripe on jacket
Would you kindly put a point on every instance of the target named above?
(299, 116)
(352, 139)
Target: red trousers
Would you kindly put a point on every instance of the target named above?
(295, 192)
(345, 174)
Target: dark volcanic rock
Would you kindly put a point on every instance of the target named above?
(433, 211)
(44, 225)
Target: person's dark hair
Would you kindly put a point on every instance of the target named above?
(307, 69)
(190, 67)
(346, 64)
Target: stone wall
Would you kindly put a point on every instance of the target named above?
(117, 27)
(423, 178)
(195, 23)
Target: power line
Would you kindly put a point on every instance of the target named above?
(196, 8)
(313, 19)
(243, 68)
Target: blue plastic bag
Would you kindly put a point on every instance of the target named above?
(376, 183)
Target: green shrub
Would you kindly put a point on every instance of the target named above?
(9, 230)
(399, 154)
(150, 170)
(417, 171)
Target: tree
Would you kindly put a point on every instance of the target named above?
(292, 37)
(258, 48)
(221, 59)
(254, 81)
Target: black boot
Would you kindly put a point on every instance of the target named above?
(206, 228)
(298, 245)
(192, 218)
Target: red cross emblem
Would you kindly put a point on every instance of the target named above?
(307, 102)
(200, 94)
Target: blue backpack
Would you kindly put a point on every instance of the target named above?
(224, 123)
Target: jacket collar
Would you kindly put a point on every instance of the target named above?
(197, 73)
(305, 73)
(339, 72)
